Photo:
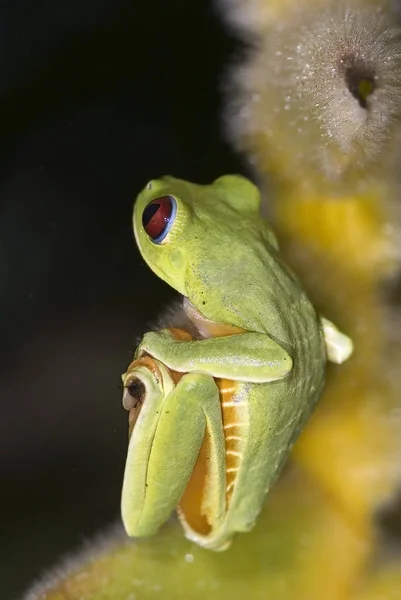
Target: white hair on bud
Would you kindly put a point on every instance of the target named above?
(112, 538)
(249, 16)
(175, 316)
(350, 73)
(322, 86)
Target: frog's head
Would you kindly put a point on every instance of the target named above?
(180, 226)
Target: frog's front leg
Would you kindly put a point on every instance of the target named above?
(248, 356)
(170, 423)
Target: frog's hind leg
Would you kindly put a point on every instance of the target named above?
(339, 346)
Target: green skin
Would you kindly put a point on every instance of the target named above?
(223, 258)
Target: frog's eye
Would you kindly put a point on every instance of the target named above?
(158, 217)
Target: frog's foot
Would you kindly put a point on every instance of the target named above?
(339, 346)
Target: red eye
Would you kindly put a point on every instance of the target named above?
(158, 217)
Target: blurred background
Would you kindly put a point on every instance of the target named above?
(95, 99)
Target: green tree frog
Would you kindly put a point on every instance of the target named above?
(216, 413)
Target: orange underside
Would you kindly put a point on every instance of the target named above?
(191, 505)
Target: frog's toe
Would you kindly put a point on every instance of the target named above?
(339, 346)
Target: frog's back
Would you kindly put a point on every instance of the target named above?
(245, 283)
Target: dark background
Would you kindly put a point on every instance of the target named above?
(96, 97)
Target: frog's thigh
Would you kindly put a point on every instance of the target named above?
(339, 347)
(193, 405)
(190, 410)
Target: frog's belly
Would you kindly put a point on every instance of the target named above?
(262, 421)
(272, 416)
